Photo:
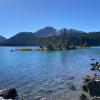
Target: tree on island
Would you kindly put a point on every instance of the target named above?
(50, 47)
(65, 39)
(41, 47)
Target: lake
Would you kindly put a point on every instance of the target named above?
(56, 75)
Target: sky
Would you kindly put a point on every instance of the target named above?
(32, 15)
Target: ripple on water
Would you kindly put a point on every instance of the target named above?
(46, 75)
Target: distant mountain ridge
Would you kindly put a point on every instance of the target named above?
(2, 39)
(26, 37)
(36, 38)
(72, 32)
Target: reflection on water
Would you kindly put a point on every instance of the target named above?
(56, 75)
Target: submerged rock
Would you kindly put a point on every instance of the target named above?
(11, 50)
(40, 98)
(8, 93)
(72, 87)
(71, 78)
(93, 59)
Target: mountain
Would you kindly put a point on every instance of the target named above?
(46, 32)
(50, 35)
(26, 38)
(2, 39)
(22, 37)
(72, 32)
(29, 38)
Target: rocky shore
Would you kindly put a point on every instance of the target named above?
(95, 66)
(91, 88)
(91, 84)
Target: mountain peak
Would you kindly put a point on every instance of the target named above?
(45, 32)
(49, 27)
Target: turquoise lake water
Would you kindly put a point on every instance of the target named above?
(50, 74)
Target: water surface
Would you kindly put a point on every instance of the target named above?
(56, 75)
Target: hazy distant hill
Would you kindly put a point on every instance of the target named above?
(2, 39)
(45, 32)
(22, 37)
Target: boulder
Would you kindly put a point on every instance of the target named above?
(1, 98)
(94, 88)
(8, 93)
(91, 88)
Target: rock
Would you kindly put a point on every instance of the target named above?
(93, 59)
(1, 98)
(97, 63)
(72, 87)
(83, 97)
(91, 88)
(94, 88)
(95, 66)
(11, 50)
(71, 78)
(87, 79)
(92, 64)
(8, 93)
(85, 88)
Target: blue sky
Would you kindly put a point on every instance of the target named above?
(31, 15)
